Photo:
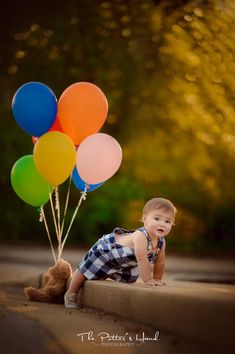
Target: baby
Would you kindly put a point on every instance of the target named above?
(125, 255)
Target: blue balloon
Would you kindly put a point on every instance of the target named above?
(80, 184)
(34, 107)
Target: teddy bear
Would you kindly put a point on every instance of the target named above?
(53, 284)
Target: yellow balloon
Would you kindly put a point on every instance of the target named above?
(54, 156)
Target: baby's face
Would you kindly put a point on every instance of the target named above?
(158, 222)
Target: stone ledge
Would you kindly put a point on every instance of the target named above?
(202, 314)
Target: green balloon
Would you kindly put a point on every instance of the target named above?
(28, 184)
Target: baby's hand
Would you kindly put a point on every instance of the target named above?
(159, 282)
(151, 282)
(155, 282)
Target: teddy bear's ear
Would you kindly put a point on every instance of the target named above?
(27, 290)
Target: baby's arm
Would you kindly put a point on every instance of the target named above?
(140, 247)
(159, 265)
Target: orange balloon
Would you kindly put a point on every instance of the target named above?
(82, 110)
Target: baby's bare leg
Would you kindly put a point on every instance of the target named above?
(76, 282)
(70, 297)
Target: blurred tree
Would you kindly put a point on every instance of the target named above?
(168, 70)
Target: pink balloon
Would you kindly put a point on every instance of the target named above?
(98, 158)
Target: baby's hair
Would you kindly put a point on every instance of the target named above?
(159, 203)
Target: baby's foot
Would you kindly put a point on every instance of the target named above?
(70, 300)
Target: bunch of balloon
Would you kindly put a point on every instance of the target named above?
(66, 143)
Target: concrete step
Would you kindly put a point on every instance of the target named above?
(202, 313)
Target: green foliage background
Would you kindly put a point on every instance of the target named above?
(168, 71)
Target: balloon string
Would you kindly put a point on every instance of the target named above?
(43, 218)
(83, 197)
(53, 213)
(57, 207)
(66, 207)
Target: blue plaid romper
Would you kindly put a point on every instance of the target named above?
(107, 259)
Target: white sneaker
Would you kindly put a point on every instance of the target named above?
(70, 300)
